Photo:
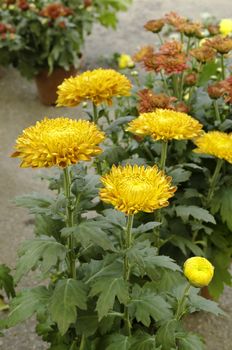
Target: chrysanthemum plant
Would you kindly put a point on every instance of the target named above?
(102, 283)
(186, 94)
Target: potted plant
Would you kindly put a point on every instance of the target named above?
(52, 35)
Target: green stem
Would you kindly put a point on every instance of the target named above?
(95, 113)
(191, 90)
(175, 85)
(217, 114)
(160, 38)
(165, 83)
(82, 345)
(181, 303)
(188, 45)
(69, 222)
(149, 153)
(222, 67)
(126, 274)
(214, 180)
(163, 156)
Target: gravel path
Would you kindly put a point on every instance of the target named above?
(20, 107)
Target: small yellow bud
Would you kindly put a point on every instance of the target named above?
(199, 271)
(225, 26)
(125, 61)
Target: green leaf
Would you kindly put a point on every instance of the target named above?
(196, 212)
(108, 289)
(208, 70)
(43, 250)
(190, 341)
(115, 125)
(26, 303)
(166, 334)
(68, 295)
(88, 232)
(144, 257)
(35, 202)
(144, 341)
(200, 303)
(116, 342)
(115, 217)
(145, 305)
(6, 281)
(222, 202)
(87, 323)
(146, 227)
(179, 175)
(110, 266)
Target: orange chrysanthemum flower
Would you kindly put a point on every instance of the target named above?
(98, 86)
(58, 142)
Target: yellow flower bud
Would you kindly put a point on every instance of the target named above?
(226, 26)
(199, 271)
(125, 61)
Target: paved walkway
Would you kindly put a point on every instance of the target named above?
(20, 108)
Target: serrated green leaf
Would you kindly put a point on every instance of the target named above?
(209, 69)
(87, 323)
(146, 227)
(26, 303)
(110, 266)
(108, 289)
(115, 217)
(179, 175)
(6, 281)
(35, 202)
(144, 257)
(222, 202)
(196, 212)
(200, 303)
(43, 250)
(116, 341)
(144, 341)
(190, 341)
(166, 334)
(68, 295)
(145, 305)
(88, 232)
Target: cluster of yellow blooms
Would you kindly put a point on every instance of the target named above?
(130, 189)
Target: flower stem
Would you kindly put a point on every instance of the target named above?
(181, 303)
(214, 180)
(163, 157)
(222, 67)
(95, 113)
(175, 85)
(160, 38)
(217, 114)
(165, 83)
(82, 345)
(69, 222)
(126, 275)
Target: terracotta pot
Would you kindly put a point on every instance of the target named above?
(47, 84)
(205, 293)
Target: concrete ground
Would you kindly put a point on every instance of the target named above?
(20, 108)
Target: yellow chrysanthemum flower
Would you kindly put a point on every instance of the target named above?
(125, 61)
(98, 86)
(132, 189)
(215, 143)
(165, 124)
(199, 271)
(58, 142)
(225, 26)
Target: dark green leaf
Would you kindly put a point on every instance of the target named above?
(146, 304)
(43, 250)
(190, 341)
(6, 281)
(68, 295)
(108, 289)
(165, 335)
(200, 303)
(196, 212)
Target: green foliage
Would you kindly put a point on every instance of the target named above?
(108, 289)
(222, 203)
(67, 296)
(43, 251)
(6, 281)
(196, 212)
(25, 304)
